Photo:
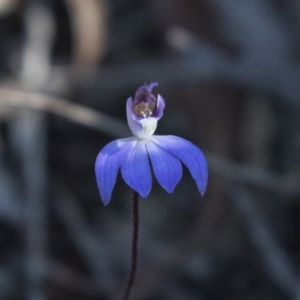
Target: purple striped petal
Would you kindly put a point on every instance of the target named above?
(136, 169)
(107, 165)
(167, 168)
(189, 154)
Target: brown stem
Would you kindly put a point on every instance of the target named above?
(134, 249)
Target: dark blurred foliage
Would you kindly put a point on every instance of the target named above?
(229, 71)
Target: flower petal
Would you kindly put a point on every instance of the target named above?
(167, 168)
(147, 86)
(160, 107)
(135, 168)
(133, 124)
(107, 165)
(189, 154)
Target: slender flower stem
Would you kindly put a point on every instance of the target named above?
(134, 249)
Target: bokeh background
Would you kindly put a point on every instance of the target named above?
(229, 71)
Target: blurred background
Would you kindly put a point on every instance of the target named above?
(229, 72)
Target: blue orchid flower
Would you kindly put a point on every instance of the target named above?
(131, 155)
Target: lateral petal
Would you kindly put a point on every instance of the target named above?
(189, 154)
(147, 86)
(135, 168)
(161, 104)
(132, 123)
(107, 165)
(167, 168)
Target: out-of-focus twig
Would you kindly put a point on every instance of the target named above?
(74, 112)
(277, 263)
(89, 22)
(32, 147)
(29, 132)
(35, 68)
(7, 6)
